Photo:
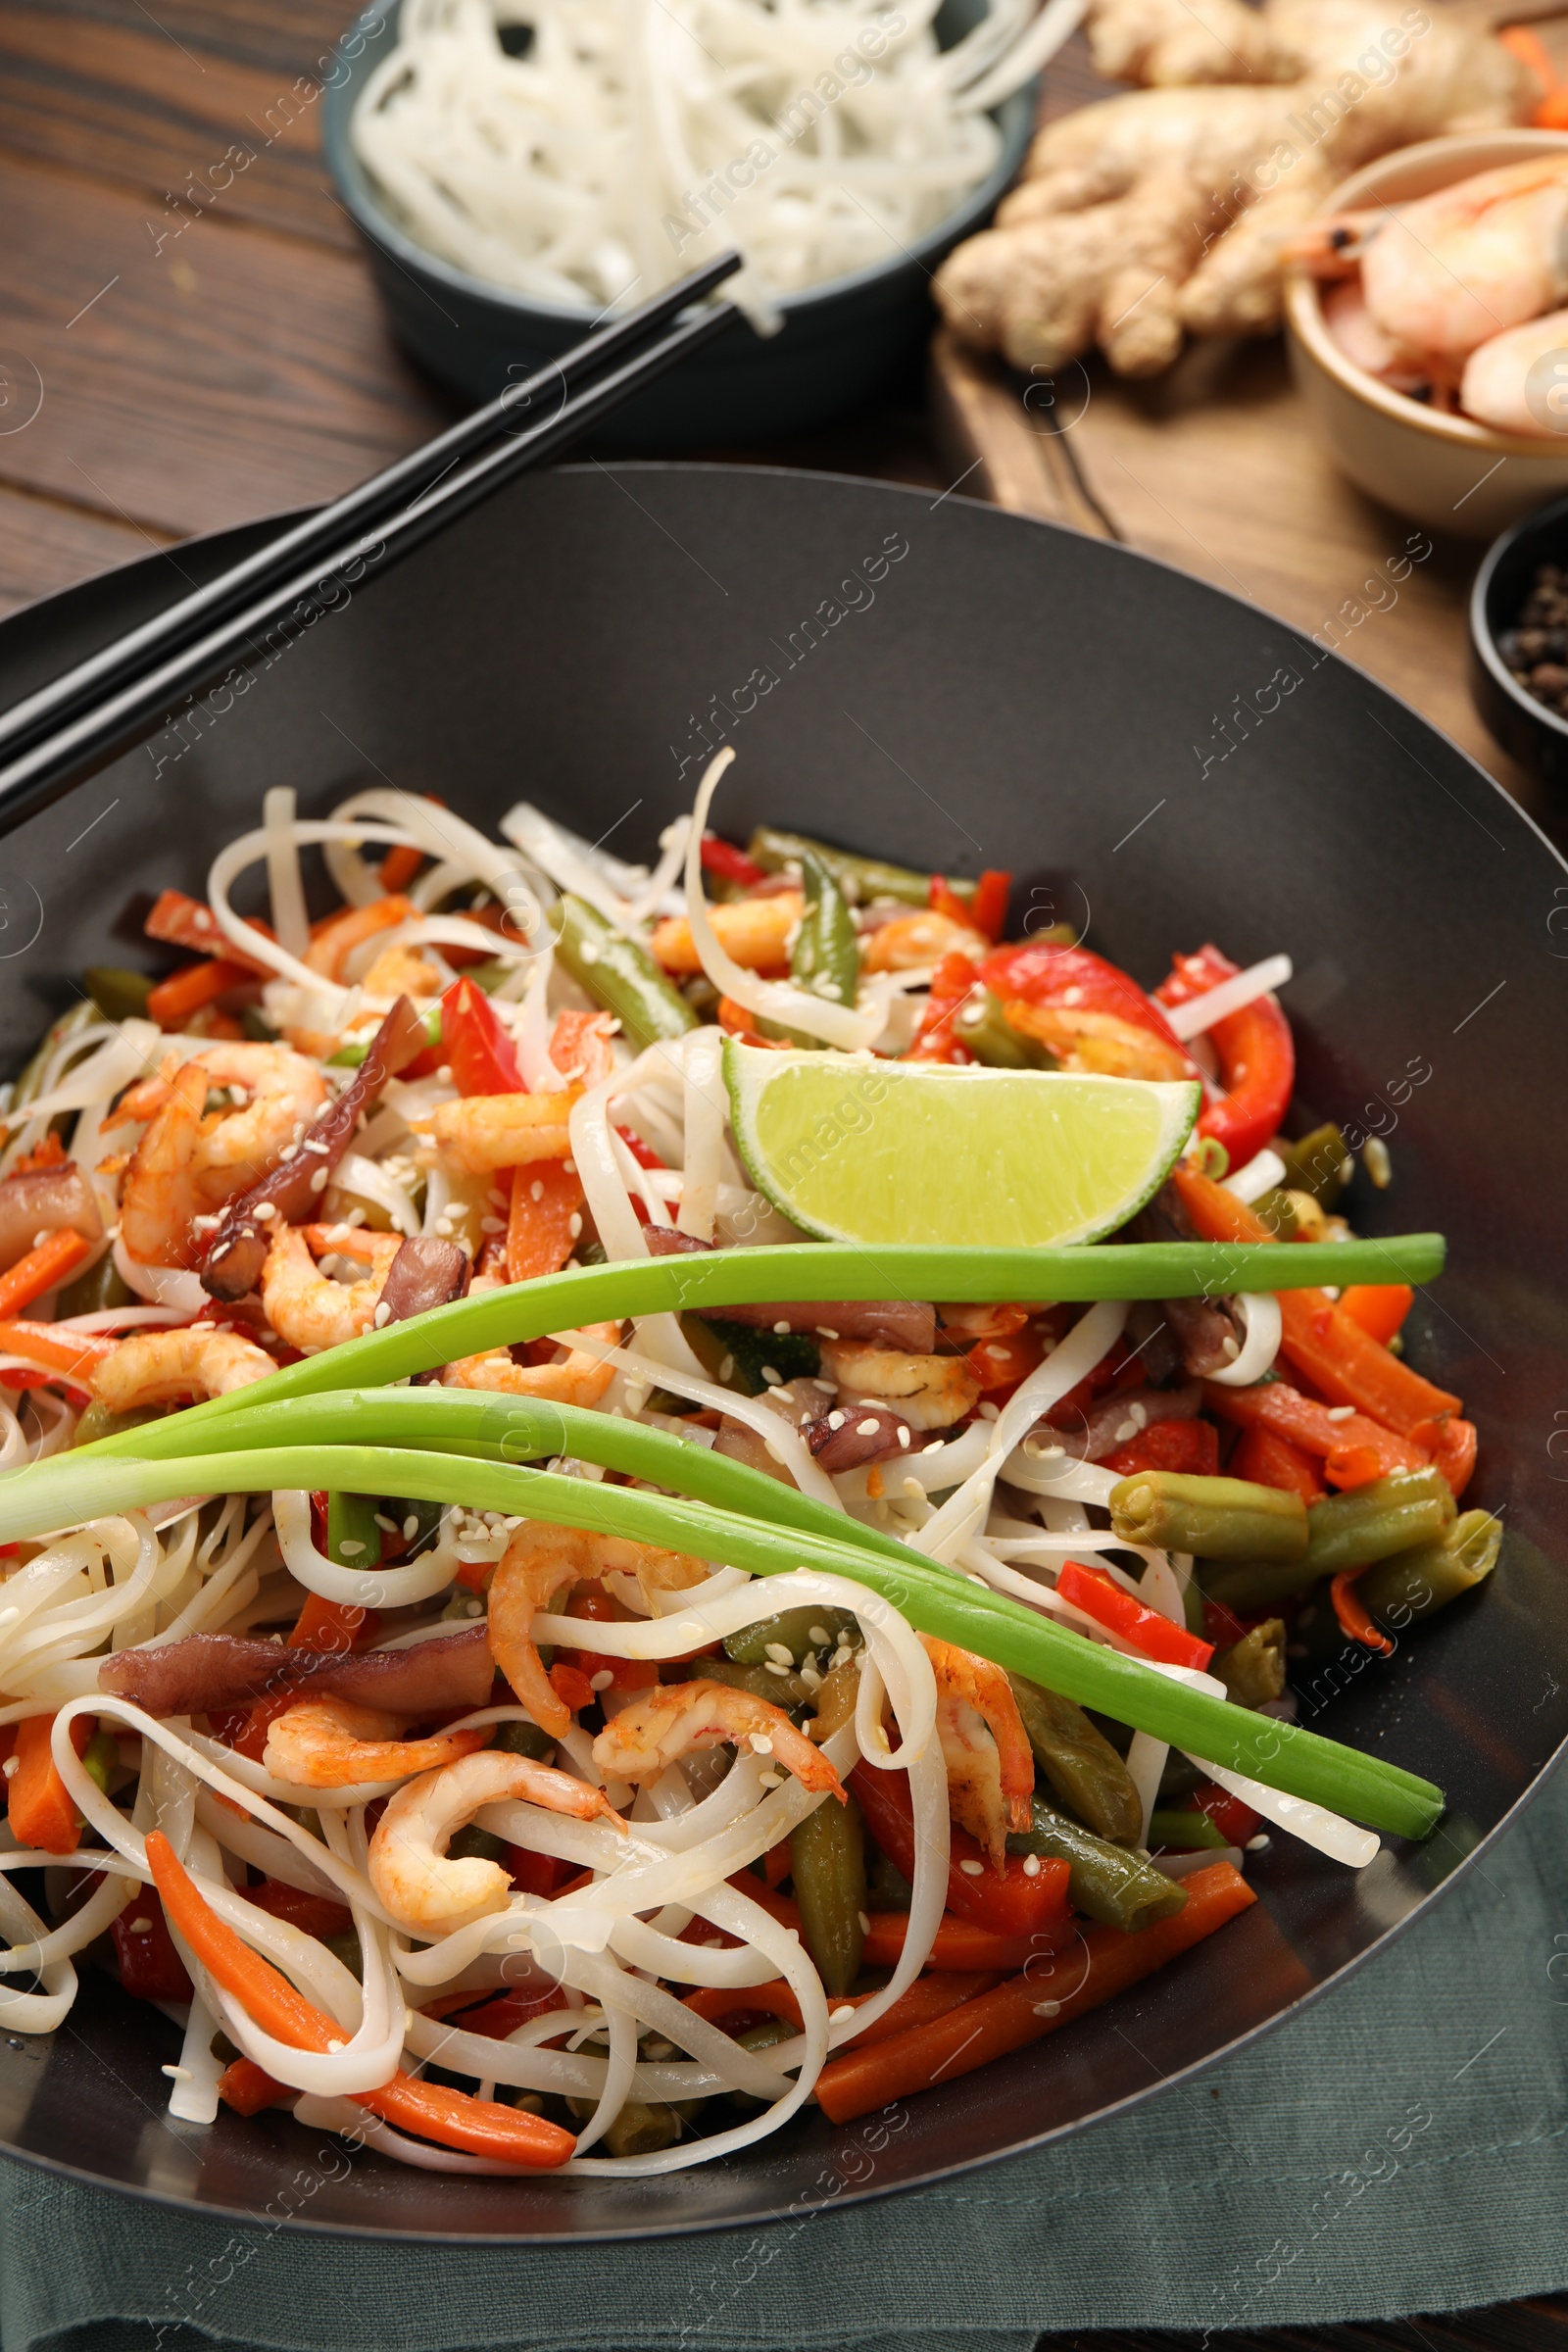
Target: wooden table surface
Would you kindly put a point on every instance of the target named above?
(188, 338)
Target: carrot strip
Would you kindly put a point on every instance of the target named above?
(1268, 1459)
(1013, 2014)
(1336, 1355)
(399, 867)
(1380, 1307)
(960, 1944)
(545, 1204)
(1354, 1451)
(58, 1256)
(1453, 1450)
(182, 921)
(716, 2003)
(451, 2117)
(74, 1352)
(1354, 1622)
(248, 2088)
(42, 1810)
(332, 1625)
(172, 1002)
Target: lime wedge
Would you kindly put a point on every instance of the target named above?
(870, 1151)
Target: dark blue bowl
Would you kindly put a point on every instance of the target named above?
(843, 346)
(1536, 736)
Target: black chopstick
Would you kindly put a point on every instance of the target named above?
(116, 698)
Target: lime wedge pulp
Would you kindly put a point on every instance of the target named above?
(854, 1150)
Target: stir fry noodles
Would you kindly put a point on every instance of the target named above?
(636, 1499)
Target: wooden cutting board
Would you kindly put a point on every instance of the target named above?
(1214, 468)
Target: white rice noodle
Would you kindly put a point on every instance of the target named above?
(839, 1025)
(1262, 1174)
(574, 865)
(658, 894)
(1069, 1362)
(164, 1286)
(119, 1056)
(1244, 987)
(1041, 1467)
(356, 1174)
(532, 1032)
(1327, 1832)
(705, 1107)
(286, 883)
(1263, 1326)
(463, 853)
(34, 2012)
(373, 1588)
(784, 1442)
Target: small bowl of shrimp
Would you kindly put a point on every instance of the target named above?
(1427, 321)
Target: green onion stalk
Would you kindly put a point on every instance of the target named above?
(933, 1599)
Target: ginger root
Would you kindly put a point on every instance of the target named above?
(1164, 212)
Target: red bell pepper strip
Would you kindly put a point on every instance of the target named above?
(1256, 1057)
(935, 1039)
(331, 1624)
(988, 909)
(730, 864)
(1266, 1460)
(1087, 1010)
(1190, 1447)
(478, 1051)
(1012, 1902)
(1001, 1363)
(643, 1153)
(316, 1914)
(186, 922)
(943, 899)
(1235, 1820)
(1337, 1356)
(1354, 1451)
(150, 1967)
(1454, 1449)
(546, 1198)
(1095, 1593)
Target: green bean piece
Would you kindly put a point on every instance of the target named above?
(473, 1845)
(800, 1631)
(1080, 1763)
(522, 1739)
(353, 1538)
(1248, 1587)
(887, 1887)
(620, 975)
(120, 995)
(101, 1285)
(825, 958)
(1412, 1584)
(784, 1688)
(755, 1359)
(1215, 1518)
(860, 879)
(1252, 1670)
(1120, 1890)
(1320, 1164)
(766, 2034)
(84, 1015)
(1183, 1831)
(350, 1056)
(1273, 1208)
(97, 1421)
(827, 1863)
(1347, 1532)
(345, 1946)
(984, 1028)
(101, 1759)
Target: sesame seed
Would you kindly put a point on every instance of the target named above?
(1031, 1866)
(574, 1225)
(536, 1190)
(866, 1922)
(761, 1744)
(836, 2016)
(351, 1544)
(142, 1927)
(1048, 2008)
(869, 1429)
(444, 1074)
(497, 1198)
(772, 1378)
(492, 1224)
(823, 1333)
(837, 1420)
(319, 1180)
(971, 1870)
(771, 1779)
(182, 2073)
(780, 1330)
(997, 1355)
(819, 1634)
(335, 2046)
(904, 1433)
(288, 1150)
(1260, 1843)
(726, 1370)
(937, 1444)
(383, 1316)
(781, 1652)
(571, 1166)
(602, 1680)
(773, 1667)
(1128, 1429)
(11, 1767)
(265, 1210)
(388, 1526)
(1341, 1412)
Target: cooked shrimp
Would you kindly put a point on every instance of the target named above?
(579, 1378)
(990, 1765)
(481, 1131)
(192, 1162)
(540, 1560)
(755, 932)
(306, 1308)
(666, 1724)
(401, 971)
(410, 1868)
(336, 940)
(1447, 272)
(1498, 386)
(931, 1392)
(161, 1368)
(330, 1744)
(1082, 1038)
(907, 941)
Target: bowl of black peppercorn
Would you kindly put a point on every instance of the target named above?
(1519, 641)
